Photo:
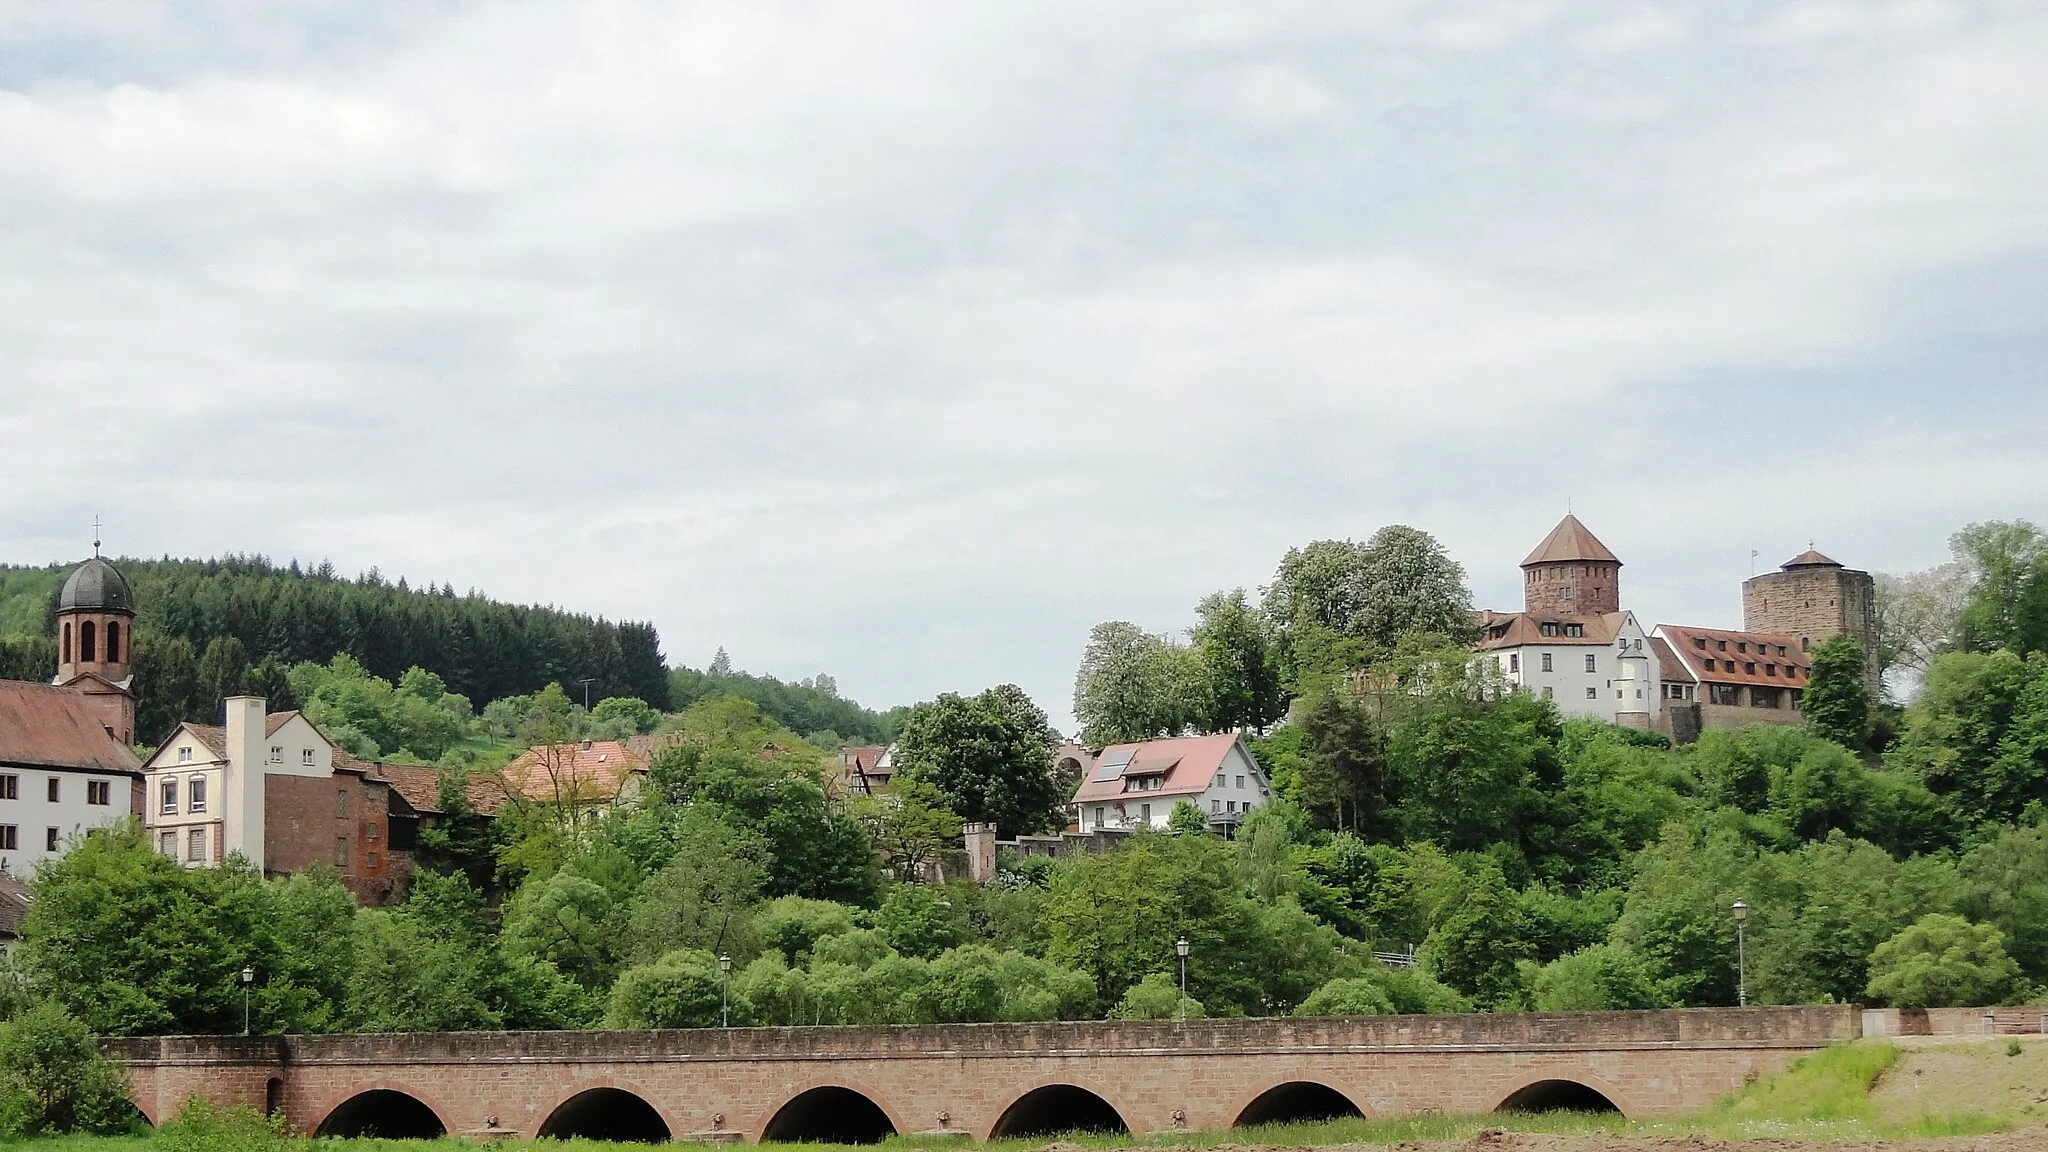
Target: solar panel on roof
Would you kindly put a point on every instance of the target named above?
(1120, 756)
(1113, 765)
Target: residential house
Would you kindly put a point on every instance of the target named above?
(1716, 678)
(585, 775)
(63, 772)
(1138, 785)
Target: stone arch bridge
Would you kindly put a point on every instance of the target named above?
(979, 1080)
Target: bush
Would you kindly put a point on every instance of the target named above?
(1358, 996)
(1942, 961)
(202, 1126)
(1156, 997)
(680, 990)
(1596, 979)
(53, 1078)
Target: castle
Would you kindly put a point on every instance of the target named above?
(1574, 643)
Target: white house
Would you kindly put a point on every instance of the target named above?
(62, 772)
(1601, 667)
(204, 789)
(1138, 785)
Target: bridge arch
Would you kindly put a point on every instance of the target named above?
(388, 1110)
(621, 1114)
(832, 1111)
(1572, 1091)
(1056, 1106)
(1294, 1101)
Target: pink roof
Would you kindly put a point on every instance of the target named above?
(1190, 764)
(591, 770)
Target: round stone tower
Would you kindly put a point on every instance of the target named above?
(1571, 574)
(1814, 598)
(95, 643)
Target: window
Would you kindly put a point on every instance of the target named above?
(306, 757)
(1748, 669)
(1219, 779)
(1240, 781)
(1546, 663)
(50, 840)
(184, 754)
(10, 837)
(277, 753)
(1700, 642)
(1770, 669)
(1496, 663)
(1145, 813)
(1720, 645)
(1215, 806)
(1098, 816)
(56, 789)
(86, 645)
(1514, 661)
(195, 845)
(1551, 628)
(167, 843)
(98, 792)
(113, 641)
(1547, 693)
(1724, 694)
(1592, 662)
(1230, 806)
(1592, 693)
(170, 801)
(1575, 629)
(341, 852)
(10, 787)
(1741, 646)
(1767, 697)
(373, 860)
(341, 802)
(370, 831)
(195, 790)
(67, 642)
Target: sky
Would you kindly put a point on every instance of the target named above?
(907, 341)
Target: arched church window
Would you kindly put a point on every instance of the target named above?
(113, 641)
(86, 647)
(67, 642)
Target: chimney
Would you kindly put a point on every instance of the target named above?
(242, 814)
(981, 851)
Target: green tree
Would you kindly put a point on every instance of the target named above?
(703, 898)
(1187, 819)
(562, 920)
(1956, 731)
(54, 1080)
(910, 825)
(1399, 583)
(1348, 996)
(1343, 775)
(1942, 962)
(1133, 685)
(1241, 661)
(1836, 705)
(2007, 606)
(1156, 997)
(1599, 978)
(919, 922)
(618, 717)
(223, 671)
(683, 989)
(1477, 945)
(988, 755)
(2005, 884)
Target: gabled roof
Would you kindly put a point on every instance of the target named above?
(1568, 542)
(46, 726)
(1499, 630)
(1775, 657)
(590, 770)
(15, 898)
(420, 786)
(1669, 667)
(215, 737)
(1189, 764)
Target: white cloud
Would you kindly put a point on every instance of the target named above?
(907, 341)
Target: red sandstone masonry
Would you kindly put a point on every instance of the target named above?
(1208, 1070)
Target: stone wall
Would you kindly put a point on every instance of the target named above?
(1157, 1075)
(1815, 604)
(305, 823)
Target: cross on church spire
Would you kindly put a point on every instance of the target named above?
(95, 536)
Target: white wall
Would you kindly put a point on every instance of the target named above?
(32, 814)
(1570, 682)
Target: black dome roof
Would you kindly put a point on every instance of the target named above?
(96, 587)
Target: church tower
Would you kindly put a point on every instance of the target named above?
(95, 643)
(1571, 574)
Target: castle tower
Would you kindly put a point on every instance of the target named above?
(1571, 574)
(1814, 598)
(95, 640)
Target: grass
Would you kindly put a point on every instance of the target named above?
(1825, 1096)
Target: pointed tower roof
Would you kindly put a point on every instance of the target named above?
(1569, 542)
(1809, 559)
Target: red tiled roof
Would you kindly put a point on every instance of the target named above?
(1669, 666)
(14, 901)
(1808, 559)
(1519, 629)
(420, 784)
(1189, 763)
(42, 726)
(1720, 656)
(1570, 541)
(215, 737)
(591, 770)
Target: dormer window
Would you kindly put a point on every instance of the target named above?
(1700, 642)
(1551, 628)
(1741, 646)
(1575, 629)
(1720, 645)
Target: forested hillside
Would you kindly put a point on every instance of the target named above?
(281, 616)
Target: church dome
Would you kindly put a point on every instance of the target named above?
(96, 587)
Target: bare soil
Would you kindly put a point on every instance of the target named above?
(2027, 1139)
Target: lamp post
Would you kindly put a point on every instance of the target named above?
(1180, 949)
(724, 997)
(1741, 913)
(248, 978)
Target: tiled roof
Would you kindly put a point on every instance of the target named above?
(420, 784)
(1669, 666)
(42, 726)
(215, 737)
(14, 901)
(1189, 763)
(1719, 656)
(1521, 629)
(1808, 559)
(1570, 541)
(591, 770)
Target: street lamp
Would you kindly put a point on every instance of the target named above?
(724, 997)
(1741, 912)
(1180, 949)
(248, 978)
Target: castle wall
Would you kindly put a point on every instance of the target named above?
(1815, 604)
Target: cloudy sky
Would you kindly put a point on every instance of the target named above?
(906, 341)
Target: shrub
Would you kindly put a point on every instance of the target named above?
(1156, 997)
(53, 1078)
(1357, 996)
(1942, 961)
(680, 990)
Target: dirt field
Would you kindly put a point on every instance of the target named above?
(2030, 1139)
